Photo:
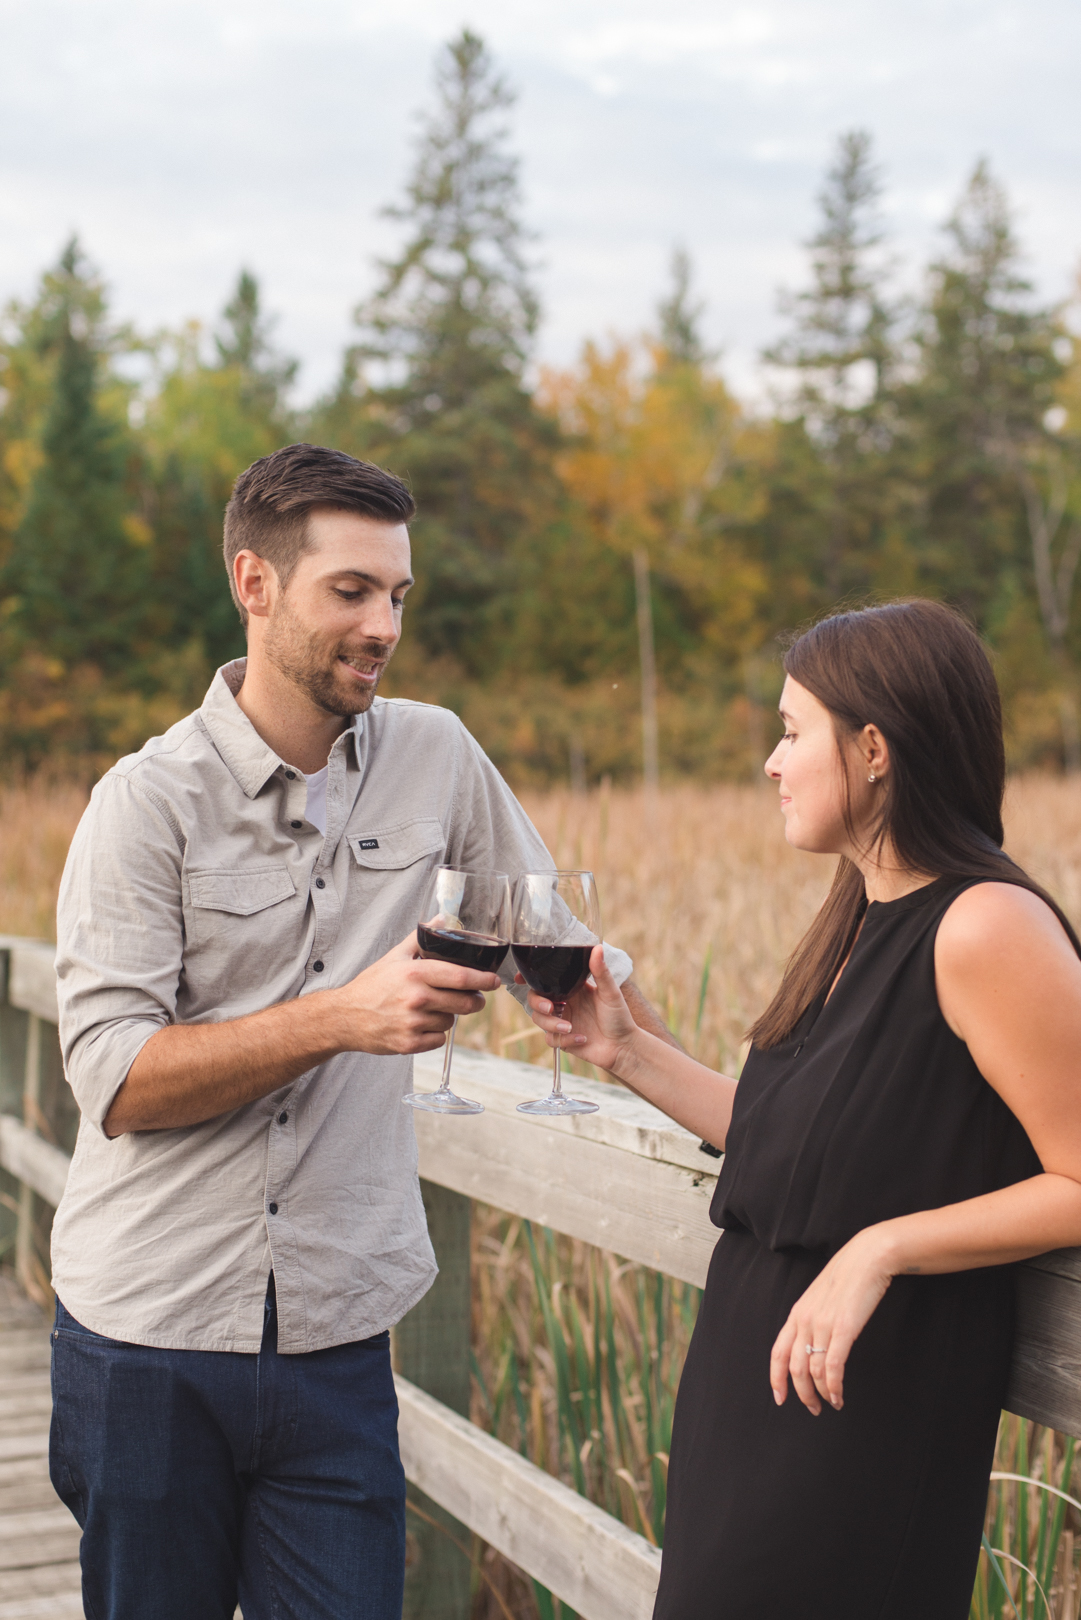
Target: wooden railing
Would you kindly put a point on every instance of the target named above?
(626, 1179)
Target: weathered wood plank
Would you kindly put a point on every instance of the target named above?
(1045, 1378)
(39, 1581)
(24, 1350)
(626, 1178)
(57, 1606)
(588, 1559)
(17, 1446)
(35, 1161)
(431, 1350)
(43, 1536)
(15, 1309)
(624, 1121)
(25, 1484)
(32, 979)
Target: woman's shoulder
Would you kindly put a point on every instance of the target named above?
(989, 925)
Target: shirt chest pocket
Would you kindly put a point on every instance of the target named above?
(220, 901)
(390, 869)
(394, 849)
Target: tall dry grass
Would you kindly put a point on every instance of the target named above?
(577, 1355)
(37, 819)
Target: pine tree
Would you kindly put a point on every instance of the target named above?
(77, 566)
(841, 351)
(244, 342)
(988, 371)
(679, 317)
(206, 422)
(436, 384)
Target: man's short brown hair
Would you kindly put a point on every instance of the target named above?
(270, 504)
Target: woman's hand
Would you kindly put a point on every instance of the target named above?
(830, 1317)
(598, 1025)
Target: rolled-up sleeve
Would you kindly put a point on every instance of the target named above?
(120, 939)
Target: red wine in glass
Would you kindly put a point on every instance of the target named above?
(555, 971)
(483, 952)
(555, 928)
(465, 920)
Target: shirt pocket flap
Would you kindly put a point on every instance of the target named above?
(241, 893)
(389, 849)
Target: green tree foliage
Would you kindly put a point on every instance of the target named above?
(838, 486)
(986, 378)
(435, 386)
(930, 446)
(206, 421)
(76, 571)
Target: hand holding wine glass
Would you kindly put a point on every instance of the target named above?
(465, 919)
(602, 1028)
(556, 925)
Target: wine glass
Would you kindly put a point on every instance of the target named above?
(556, 923)
(465, 919)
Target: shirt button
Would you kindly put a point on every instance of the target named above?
(292, 775)
(273, 1208)
(283, 1119)
(295, 824)
(317, 967)
(319, 883)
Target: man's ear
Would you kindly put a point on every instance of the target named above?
(256, 584)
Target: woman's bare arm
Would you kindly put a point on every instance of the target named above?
(601, 1028)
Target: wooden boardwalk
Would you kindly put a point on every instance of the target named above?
(39, 1539)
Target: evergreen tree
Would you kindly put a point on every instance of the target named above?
(841, 350)
(243, 342)
(77, 566)
(436, 385)
(987, 377)
(679, 317)
(206, 423)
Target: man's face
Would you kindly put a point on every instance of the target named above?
(332, 630)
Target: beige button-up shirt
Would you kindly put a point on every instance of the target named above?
(197, 891)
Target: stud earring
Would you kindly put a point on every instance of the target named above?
(872, 777)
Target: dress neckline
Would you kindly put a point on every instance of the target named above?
(907, 902)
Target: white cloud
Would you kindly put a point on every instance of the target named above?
(183, 138)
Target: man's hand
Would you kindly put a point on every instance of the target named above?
(187, 1073)
(404, 1003)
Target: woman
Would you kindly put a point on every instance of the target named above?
(907, 1124)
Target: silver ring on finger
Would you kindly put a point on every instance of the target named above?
(815, 1349)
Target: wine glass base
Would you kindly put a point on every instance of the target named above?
(555, 1106)
(442, 1102)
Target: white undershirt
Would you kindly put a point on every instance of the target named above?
(316, 811)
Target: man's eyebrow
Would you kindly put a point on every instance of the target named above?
(370, 579)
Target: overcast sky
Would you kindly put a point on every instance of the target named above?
(184, 138)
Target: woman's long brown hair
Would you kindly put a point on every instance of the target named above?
(919, 672)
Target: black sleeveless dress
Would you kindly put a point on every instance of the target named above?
(872, 1109)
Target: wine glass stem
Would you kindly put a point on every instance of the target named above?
(448, 1053)
(559, 1008)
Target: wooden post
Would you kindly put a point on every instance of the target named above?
(432, 1346)
(24, 1231)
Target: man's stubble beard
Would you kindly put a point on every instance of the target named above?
(298, 654)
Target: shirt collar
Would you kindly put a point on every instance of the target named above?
(250, 759)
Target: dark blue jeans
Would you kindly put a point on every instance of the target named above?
(201, 1478)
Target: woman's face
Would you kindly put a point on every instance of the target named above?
(810, 771)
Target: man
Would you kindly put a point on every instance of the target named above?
(242, 1223)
